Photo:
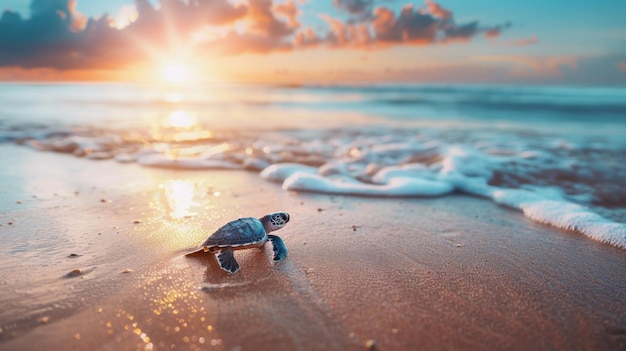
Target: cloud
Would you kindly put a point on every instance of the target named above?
(427, 25)
(495, 31)
(290, 11)
(59, 37)
(265, 22)
(125, 16)
(52, 33)
(192, 12)
(461, 33)
(437, 11)
(182, 17)
(409, 26)
(65, 9)
(267, 31)
(383, 28)
(346, 35)
(307, 38)
(56, 36)
(354, 7)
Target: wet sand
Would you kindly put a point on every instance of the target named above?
(385, 274)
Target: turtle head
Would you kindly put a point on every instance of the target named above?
(275, 221)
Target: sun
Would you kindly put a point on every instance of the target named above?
(175, 73)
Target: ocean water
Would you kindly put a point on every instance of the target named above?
(556, 154)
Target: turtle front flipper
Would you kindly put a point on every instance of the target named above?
(226, 260)
(280, 250)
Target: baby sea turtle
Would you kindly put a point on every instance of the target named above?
(246, 233)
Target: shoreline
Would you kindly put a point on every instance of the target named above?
(442, 273)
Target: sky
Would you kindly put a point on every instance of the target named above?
(556, 42)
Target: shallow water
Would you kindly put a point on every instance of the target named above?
(557, 154)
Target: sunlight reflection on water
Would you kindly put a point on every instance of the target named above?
(179, 316)
(179, 195)
(180, 119)
(179, 126)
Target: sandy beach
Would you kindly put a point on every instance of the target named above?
(438, 175)
(362, 273)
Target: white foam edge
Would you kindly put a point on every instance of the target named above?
(281, 171)
(563, 215)
(535, 206)
(343, 185)
(386, 174)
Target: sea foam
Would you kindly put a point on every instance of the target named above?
(343, 185)
(564, 215)
(512, 170)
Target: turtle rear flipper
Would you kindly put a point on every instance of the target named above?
(226, 260)
(280, 250)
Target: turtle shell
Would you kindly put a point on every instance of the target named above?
(241, 232)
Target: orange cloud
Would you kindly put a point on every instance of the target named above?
(264, 20)
(436, 10)
(290, 11)
(307, 38)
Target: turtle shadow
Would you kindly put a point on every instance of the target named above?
(206, 259)
(253, 263)
(198, 253)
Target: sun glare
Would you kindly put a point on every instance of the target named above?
(182, 119)
(175, 73)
